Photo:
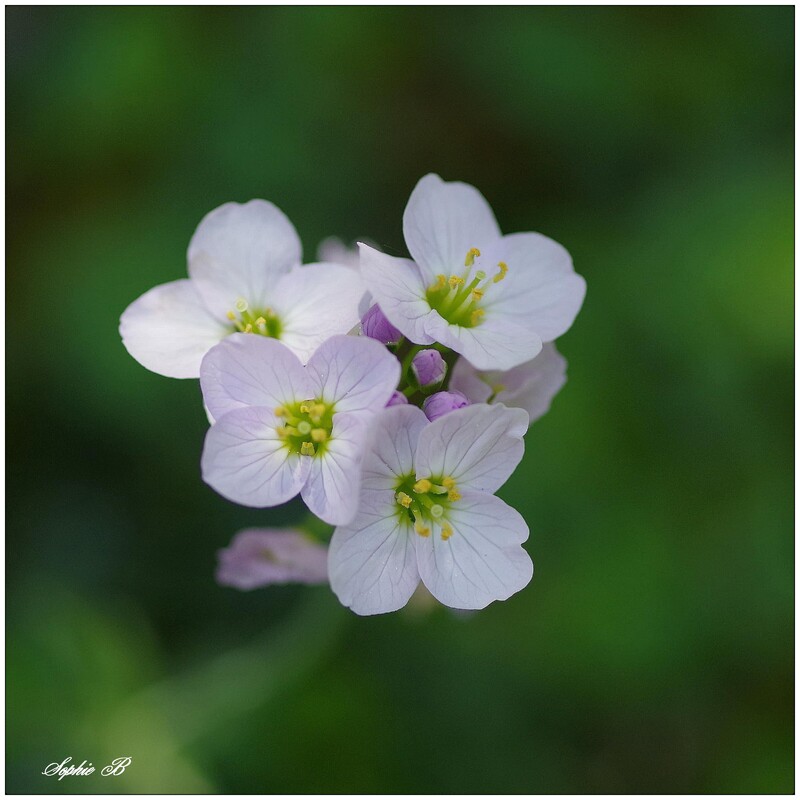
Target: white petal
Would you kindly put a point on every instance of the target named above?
(238, 251)
(541, 292)
(482, 560)
(397, 286)
(372, 564)
(443, 221)
(393, 439)
(333, 485)
(496, 343)
(251, 370)
(169, 330)
(531, 385)
(355, 372)
(315, 302)
(478, 446)
(245, 461)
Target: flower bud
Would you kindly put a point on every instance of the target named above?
(441, 403)
(397, 399)
(375, 325)
(429, 367)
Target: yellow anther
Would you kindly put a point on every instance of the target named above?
(261, 322)
(455, 281)
(441, 282)
(471, 256)
(477, 294)
(422, 529)
(447, 532)
(282, 432)
(316, 411)
(422, 486)
(241, 305)
(503, 270)
(453, 495)
(304, 408)
(319, 434)
(306, 449)
(404, 499)
(475, 316)
(449, 483)
(231, 316)
(248, 328)
(280, 411)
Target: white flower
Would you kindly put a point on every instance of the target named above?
(244, 275)
(495, 299)
(283, 429)
(531, 385)
(264, 556)
(428, 512)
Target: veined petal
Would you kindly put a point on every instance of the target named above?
(265, 556)
(334, 481)
(480, 559)
(496, 343)
(168, 330)
(443, 221)
(314, 302)
(478, 446)
(251, 370)
(531, 385)
(393, 439)
(542, 291)
(354, 372)
(245, 461)
(372, 563)
(398, 287)
(238, 251)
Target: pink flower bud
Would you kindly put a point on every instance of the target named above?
(441, 403)
(375, 325)
(429, 367)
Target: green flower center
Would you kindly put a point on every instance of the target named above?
(426, 501)
(458, 298)
(306, 427)
(262, 321)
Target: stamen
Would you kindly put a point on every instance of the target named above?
(441, 283)
(403, 499)
(447, 532)
(449, 483)
(231, 316)
(307, 449)
(282, 432)
(248, 328)
(319, 434)
(477, 294)
(422, 529)
(500, 275)
(280, 411)
(422, 486)
(455, 281)
(316, 411)
(475, 316)
(471, 256)
(453, 495)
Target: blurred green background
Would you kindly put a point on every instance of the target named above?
(653, 651)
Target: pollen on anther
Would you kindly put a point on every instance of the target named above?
(280, 411)
(261, 322)
(503, 267)
(449, 483)
(447, 532)
(248, 328)
(471, 256)
(441, 282)
(307, 449)
(455, 281)
(231, 316)
(404, 499)
(422, 486)
(477, 294)
(422, 530)
(476, 316)
(453, 495)
(319, 434)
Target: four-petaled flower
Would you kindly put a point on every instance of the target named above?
(428, 512)
(282, 429)
(244, 276)
(495, 299)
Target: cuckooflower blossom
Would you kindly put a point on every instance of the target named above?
(428, 512)
(282, 429)
(531, 385)
(494, 299)
(244, 276)
(428, 367)
(441, 403)
(264, 556)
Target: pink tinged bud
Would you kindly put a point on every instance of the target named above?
(261, 557)
(429, 367)
(375, 325)
(441, 403)
(397, 399)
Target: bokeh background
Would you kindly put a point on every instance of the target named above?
(653, 651)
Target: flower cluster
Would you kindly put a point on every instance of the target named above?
(391, 394)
